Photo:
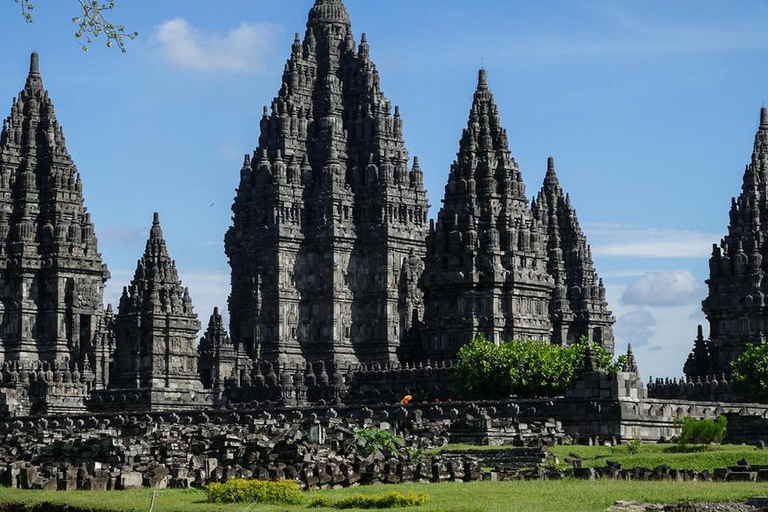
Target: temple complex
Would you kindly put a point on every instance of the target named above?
(341, 287)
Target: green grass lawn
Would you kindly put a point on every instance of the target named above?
(650, 455)
(549, 496)
(546, 496)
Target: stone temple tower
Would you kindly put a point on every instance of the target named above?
(156, 334)
(578, 306)
(736, 307)
(329, 219)
(486, 265)
(51, 273)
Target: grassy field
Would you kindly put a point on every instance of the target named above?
(547, 496)
(652, 455)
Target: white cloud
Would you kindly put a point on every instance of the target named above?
(241, 50)
(636, 327)
(661, 341)
(664, 288)
(624, 240)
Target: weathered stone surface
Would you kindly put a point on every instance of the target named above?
(736, 305)
(155, 360)
(499, 266)
(329, 220)
(51, 273)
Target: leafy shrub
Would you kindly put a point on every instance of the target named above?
(634, 446)
(702, 431)
(321, 501)
(392, 499)
(368, 440)
(284, 492)
(750, 375)
(415, 455)
(522, 368)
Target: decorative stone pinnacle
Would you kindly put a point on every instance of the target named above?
(482, 80)
(34, 64)
(763, 117)
(551, 176)
(34, 80)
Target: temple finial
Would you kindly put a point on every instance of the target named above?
(482, 80)
(34, 63)
(550, 179)
(763, 117)
(156, 219)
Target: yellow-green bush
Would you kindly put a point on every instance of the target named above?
(284, 492)
(392, 499)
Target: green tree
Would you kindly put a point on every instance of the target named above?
(750, 371)
(522, 368)
(91, 22)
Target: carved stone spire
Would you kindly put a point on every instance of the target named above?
(46, 237)
(736, 305)
(630, 365)
(328, 12)
(697, 366)
(486, 266)
(580, 309)
(218, 357)
(156, 326)
(328, 196)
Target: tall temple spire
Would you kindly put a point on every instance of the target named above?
(578, 307)
(156, 327)
(46, 235)
(487, 245)
(737, 303)
(329, 192)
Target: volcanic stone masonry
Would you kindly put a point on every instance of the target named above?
(156, 358)
(342, 291)
(736, 306)
(328, 239)
(328, 217)
(51, 274)
(497, 266)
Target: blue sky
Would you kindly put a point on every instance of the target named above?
(649, 109)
